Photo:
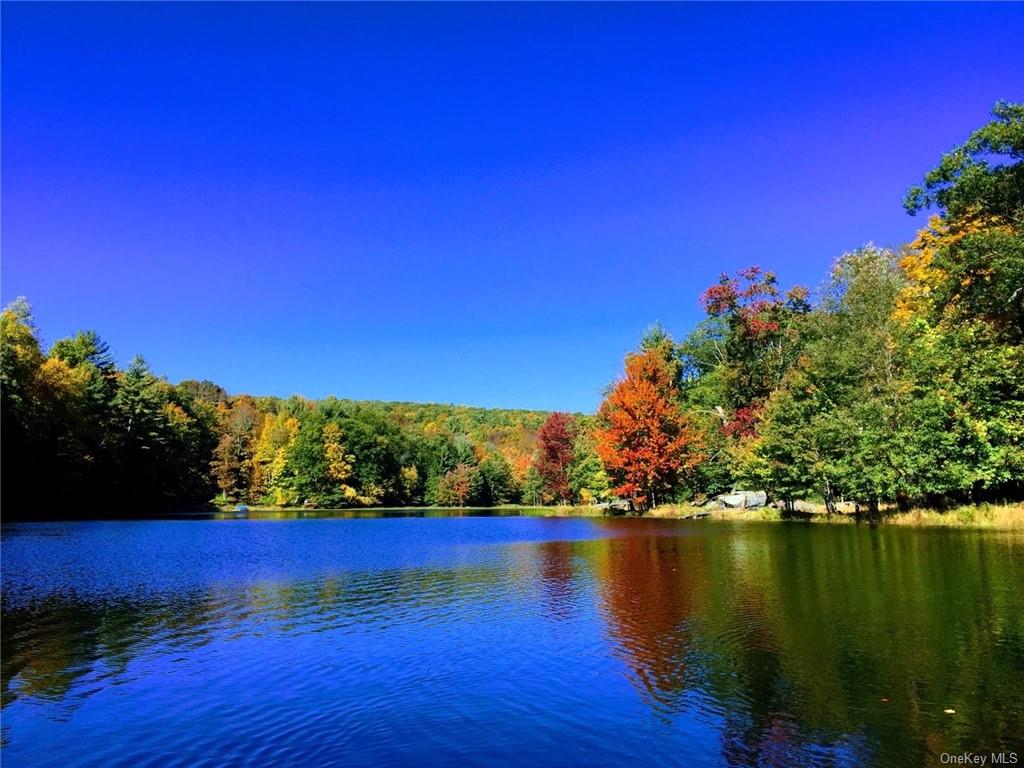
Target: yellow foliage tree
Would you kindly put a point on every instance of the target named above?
(339, 463)
(276, 438)
(918, 264)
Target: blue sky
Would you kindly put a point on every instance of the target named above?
(482, 204)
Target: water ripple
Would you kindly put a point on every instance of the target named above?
(435, 642)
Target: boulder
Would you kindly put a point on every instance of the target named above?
(742, 499)
(798, 506)
(617, 505)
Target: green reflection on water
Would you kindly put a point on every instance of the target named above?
(792, 633)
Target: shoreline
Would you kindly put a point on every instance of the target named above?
(981, 516)
(1007, 517)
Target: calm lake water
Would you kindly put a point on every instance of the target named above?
(507, 640)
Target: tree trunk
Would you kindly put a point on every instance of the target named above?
(830, 502)
(873, 509)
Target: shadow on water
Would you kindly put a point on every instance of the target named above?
(760, 645)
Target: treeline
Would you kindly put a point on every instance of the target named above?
(900, 380)
(903, 383)
(81, 435)
(77, 431)
(338, 453)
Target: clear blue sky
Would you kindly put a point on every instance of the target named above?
(482, 204)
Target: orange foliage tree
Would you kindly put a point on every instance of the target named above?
(454, 487)
(644, 439)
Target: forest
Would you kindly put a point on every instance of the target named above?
(899, 381)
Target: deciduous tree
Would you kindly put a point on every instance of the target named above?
(455, 486)
(643, 438)
(554, 457)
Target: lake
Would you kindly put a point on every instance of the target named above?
(508, 640)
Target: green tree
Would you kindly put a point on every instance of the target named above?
(533, 487)
(84, 348)
(984, 175)
(493, 483)
(865, 413)
(23, 407)
(588, 480)
(965, 298)
(164, 442)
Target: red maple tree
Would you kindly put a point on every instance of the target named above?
(555, 455)
(644, 440)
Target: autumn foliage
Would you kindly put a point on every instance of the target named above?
(644, 438)
(555, 455)
(903, 383)
(455, 486)
(751, 299)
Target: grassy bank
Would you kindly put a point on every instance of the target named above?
(1000, 516)
(980, 516)
(967, 516)
(269, 512)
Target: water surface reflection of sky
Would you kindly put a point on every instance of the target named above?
(509, 640)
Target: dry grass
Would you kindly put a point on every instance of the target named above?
(979, 516)
(968, 516)
(1001, 516)
(564, 511)
(682, 511)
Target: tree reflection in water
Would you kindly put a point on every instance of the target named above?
(787, 645)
